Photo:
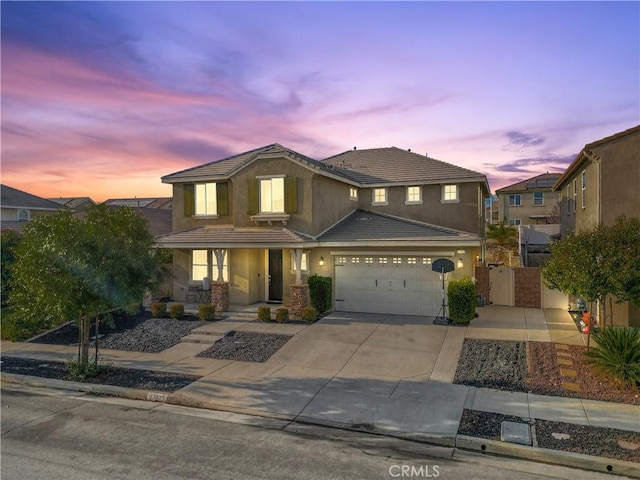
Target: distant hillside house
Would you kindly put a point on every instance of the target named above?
(19, 208)
(531, 201)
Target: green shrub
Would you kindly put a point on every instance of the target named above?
(320, 292)
(80, 371)
(617, 354)
(207, 312)
(16, 329)
(309, 314)
(462, 300)
(264, 314)
(176, 311)
(158, 309)
(282, 315)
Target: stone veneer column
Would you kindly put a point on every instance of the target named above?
(220, 296)
(299, 299)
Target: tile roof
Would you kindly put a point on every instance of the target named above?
(394, 165)
(224, 168)
(367, 227)
(232, 237)
(14, 198)
(539, 182)
(72, 202)
(155, 202)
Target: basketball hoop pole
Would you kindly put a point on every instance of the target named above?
(443, 309)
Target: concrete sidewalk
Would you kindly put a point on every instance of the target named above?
(383, 374)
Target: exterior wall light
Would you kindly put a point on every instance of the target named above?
(321, 262)
(460, 263)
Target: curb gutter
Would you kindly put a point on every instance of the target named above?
(463, 442)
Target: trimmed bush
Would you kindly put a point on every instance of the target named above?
(309, 314)
(282, 315)
(158, 309)
(320, 289)
(176, 311)
(462, 300)
(207, 312)
(264, 314)
(617, 354)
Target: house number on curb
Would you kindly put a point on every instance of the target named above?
(157, 397)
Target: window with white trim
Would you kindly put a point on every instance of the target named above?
(379, 196)
(538, 199)
(450, 193)
(584, 188)
(353, 193)
(23, 215)
(272, 195)
(515, 221)
(199, 265)
(575, 194)
(206, 199)
(414, 195)
(515, 200)
(304, 262)
(569, 199)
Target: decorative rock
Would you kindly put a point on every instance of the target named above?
(220, 296)
(628, 445)
(561, 436)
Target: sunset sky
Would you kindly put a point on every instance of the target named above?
(102, 99)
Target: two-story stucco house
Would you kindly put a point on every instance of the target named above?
(600, 185)
(531, 201)
(372, 220)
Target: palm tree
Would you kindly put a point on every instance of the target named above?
(503, 236)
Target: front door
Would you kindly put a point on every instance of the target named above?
(275, 275)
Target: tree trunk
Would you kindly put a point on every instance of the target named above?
(85, 329)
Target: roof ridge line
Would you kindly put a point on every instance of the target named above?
(417, 222)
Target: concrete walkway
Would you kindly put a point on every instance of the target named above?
(381, 373)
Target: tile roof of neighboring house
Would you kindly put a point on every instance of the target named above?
(224, 168)
(227, 236)
(160, 202)
(539, 182)
(72, 202)
(369, 228)
(160, 219)
(394, 165)
(585, 153)
(14, 198)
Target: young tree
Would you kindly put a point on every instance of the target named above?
(82, 269)
(502, 236)
(596, 263)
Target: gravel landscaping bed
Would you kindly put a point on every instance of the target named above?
(246, 346)
(601, 442)
(502, 365)
(140, 333)
(121, 377)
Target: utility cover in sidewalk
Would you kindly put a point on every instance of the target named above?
(513, 432)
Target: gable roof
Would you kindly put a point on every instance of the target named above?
(369, 228)
(392, 165)
(586, 154)
(14, 198)
(228, 236)
(539, 182)
(226, 167)
(152, 202)
(72, 202)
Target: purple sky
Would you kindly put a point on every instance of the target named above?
(102, 99)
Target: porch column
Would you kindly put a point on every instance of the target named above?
(299, 299)
(297, 258)
(220, 253)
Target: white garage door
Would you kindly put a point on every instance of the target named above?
(404, 285)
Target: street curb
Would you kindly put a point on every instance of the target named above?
(462, 442)
(544, 455)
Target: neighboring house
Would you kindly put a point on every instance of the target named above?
(372, 220)
(530, 201)
(600, 185)
(161, 202)
(75, 204)
(492, 209)
(20, 207)
(159, 219)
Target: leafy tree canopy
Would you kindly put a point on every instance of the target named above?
(67, 268)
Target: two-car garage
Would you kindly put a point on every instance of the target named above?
(403, 284)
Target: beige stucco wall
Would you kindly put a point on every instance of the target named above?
(11, 214)
(523, 212)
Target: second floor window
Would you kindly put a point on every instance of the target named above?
(206, 195)
(584, 189)
(538, 198)
(449, 193)
(515, 200)
(414, 195)
(379, 196)
(272, 195)
(575, 194)
(353, 193)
